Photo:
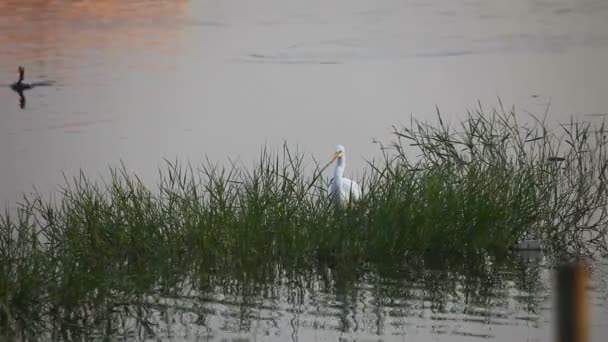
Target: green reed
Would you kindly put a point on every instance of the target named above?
(467, 197)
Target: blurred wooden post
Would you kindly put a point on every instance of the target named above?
(572, 310)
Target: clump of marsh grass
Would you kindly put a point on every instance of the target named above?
(468, 196)
(544, 184)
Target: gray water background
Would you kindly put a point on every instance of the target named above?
(138, 81)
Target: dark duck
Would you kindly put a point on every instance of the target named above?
(20, 85)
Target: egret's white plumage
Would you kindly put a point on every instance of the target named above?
(343, 190)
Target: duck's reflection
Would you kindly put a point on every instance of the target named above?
(20, 87)
(21, 99)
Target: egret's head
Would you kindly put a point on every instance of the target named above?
(21, 70)
(339, 152)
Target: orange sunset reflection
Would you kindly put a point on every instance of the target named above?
(43, 29)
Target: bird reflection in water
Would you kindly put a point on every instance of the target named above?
(20, 87)
(21, 98)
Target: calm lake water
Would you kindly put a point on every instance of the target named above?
(138, 81)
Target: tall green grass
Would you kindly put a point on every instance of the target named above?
(466, 198)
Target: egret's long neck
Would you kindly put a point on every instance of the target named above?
(339, 170)
(20, 76)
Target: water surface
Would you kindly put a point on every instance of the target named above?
(140, 81)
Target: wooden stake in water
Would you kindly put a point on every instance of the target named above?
(572, 309)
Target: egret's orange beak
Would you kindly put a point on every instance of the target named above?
(336, 156)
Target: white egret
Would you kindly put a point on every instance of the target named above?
(343, 190)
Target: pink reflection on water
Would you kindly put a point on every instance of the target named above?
(39, 29)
